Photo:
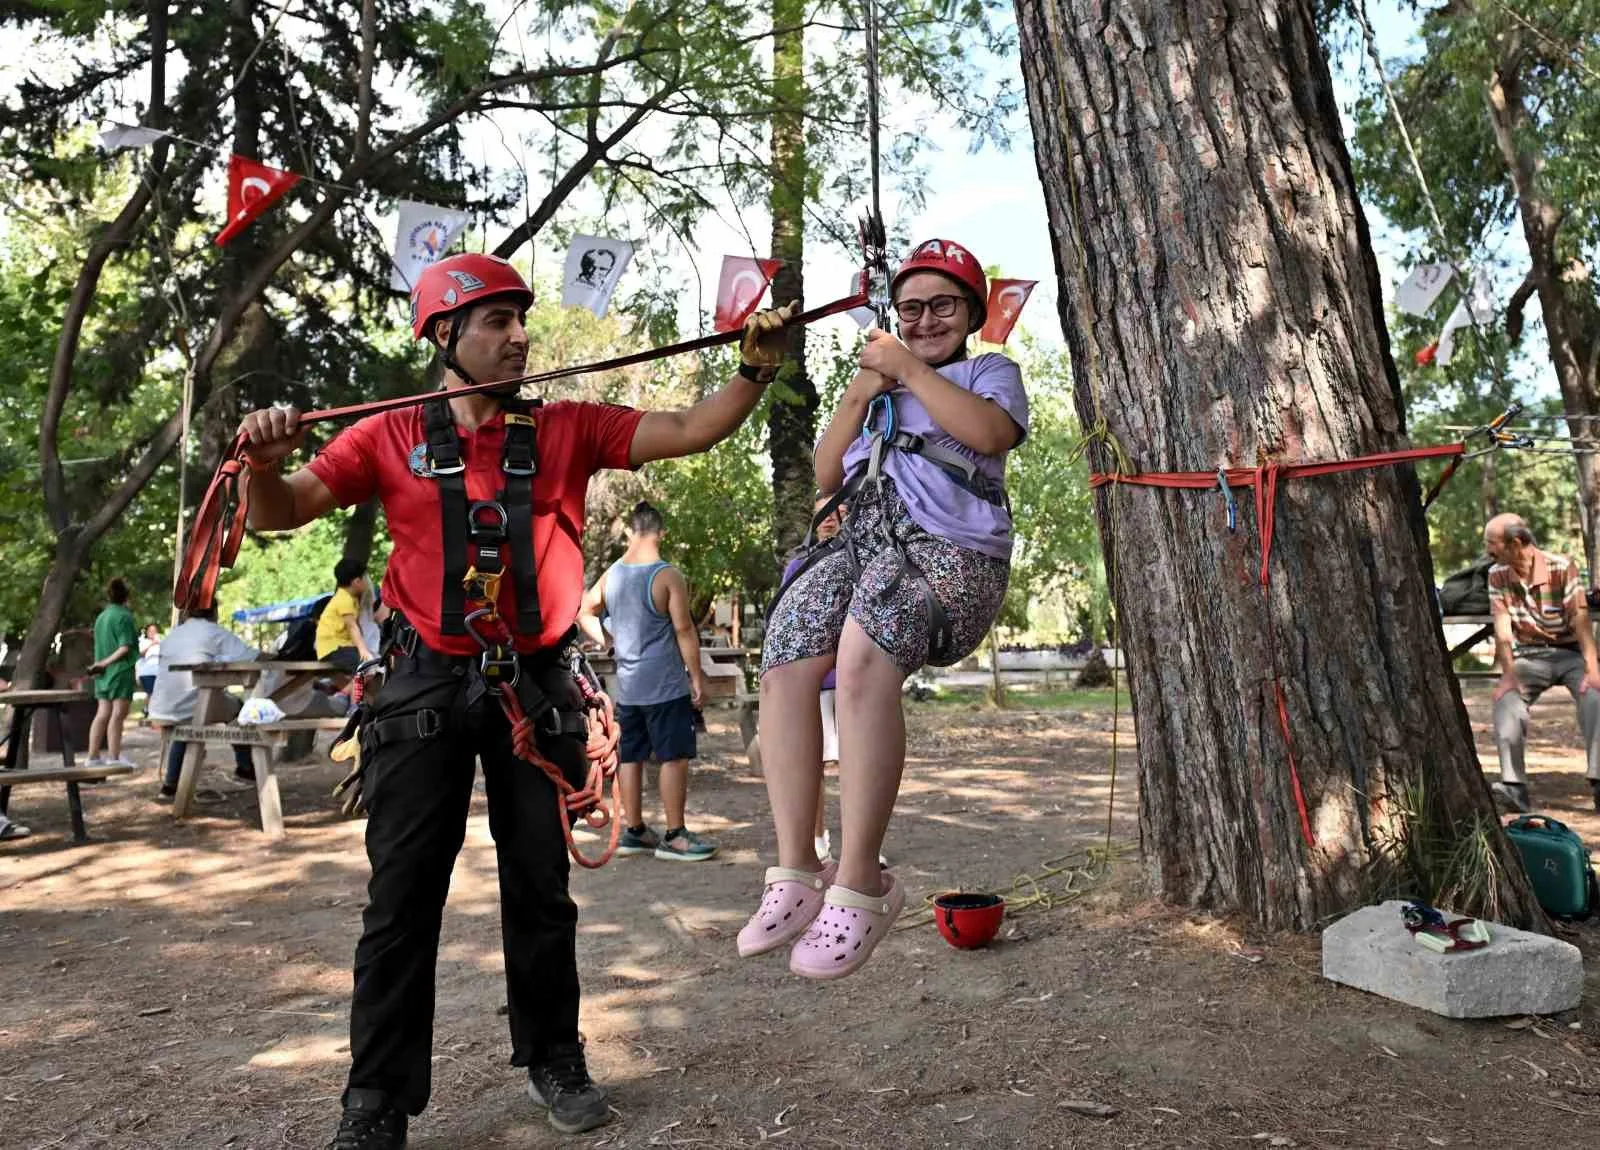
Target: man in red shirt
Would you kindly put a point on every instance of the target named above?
(475, 487)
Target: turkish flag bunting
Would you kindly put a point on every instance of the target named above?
(1006, 298)
(744, 281)
(252, 189)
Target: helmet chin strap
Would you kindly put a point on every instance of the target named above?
(447, 353)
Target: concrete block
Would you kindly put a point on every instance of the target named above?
(1517, 973)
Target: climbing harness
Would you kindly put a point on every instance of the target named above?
(1431, 929)
(880, 427)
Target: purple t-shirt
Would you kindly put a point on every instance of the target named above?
(940, 506)
(829, 680)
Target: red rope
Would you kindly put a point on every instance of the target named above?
(1265, 481)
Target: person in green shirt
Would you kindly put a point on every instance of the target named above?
(116, 649)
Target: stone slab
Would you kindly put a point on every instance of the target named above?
(1519, 972)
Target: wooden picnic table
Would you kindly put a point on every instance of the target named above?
(1483, 628)
(208, 726)
(24, 705)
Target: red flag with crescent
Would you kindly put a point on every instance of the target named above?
(252, 189)
(1006, 298)
(744, 281)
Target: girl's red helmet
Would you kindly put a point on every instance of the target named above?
(950, 259)
(461, 281)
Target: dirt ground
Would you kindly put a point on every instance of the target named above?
(171, 985)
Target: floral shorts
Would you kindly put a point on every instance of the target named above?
(968, 584)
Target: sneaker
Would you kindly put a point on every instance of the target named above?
(1594, 792)
(11, 830)
(684, 845)
(631, 842)
(166, 794)
(1513, 795)
(362, 1129)
(562, 1083)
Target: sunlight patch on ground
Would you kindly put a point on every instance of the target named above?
(302, 1050)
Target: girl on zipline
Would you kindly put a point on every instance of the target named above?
(917, 576)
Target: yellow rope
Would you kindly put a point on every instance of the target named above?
(1028, 890)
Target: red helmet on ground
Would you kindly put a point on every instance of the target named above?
(461, 281)
(953, 261)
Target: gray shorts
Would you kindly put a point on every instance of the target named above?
(969, 585)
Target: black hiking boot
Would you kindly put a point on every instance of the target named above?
(368, 1128)
(562, 1083)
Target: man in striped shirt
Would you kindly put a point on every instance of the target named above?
(1542, 637)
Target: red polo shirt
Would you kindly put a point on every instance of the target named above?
(382, 455)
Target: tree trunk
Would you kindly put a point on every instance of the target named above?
(1222, 307)
(74, 541)
(53, 599)
(1562, 283)
(792, 416)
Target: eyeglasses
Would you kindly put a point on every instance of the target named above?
(943, 306)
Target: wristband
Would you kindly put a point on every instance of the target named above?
(761, 375)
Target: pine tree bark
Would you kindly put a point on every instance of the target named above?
(1221, 304)
(792, 416)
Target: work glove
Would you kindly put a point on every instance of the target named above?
(766, 339)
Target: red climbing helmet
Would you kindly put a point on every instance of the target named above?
(949, 259)
(459, 281)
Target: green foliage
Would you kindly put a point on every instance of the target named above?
(718, 509)
(1443, 94)
(291, 565)
(1056, 568)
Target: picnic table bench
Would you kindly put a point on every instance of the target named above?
(208, 728)
(1483, 627)
(24, 705)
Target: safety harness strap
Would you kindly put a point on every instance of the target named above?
(519, 461)
(448, 470)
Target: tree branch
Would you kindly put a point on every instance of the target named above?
(83, 292)
(593, 153)
(1519, 300)
(369, 55)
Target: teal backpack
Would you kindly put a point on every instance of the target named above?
(1558, 865)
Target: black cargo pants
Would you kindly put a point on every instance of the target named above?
(435, 720)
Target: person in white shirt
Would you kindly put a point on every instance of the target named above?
(198, 639)
(149, 664)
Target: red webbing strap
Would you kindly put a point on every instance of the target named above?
(220, 521)
(1265, 481)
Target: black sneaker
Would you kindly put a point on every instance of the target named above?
(562, 1083)
(363, 1129)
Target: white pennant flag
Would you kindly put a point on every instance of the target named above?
(119, 136)
(422, 235)
(1476, 308)
(865, 317)
(1422, 288)
(594, 265)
